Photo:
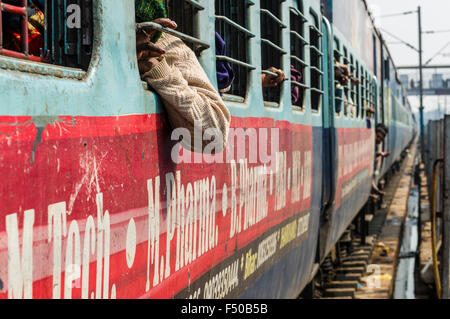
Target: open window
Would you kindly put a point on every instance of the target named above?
(316, 71)
(49, 31)
(347, 87)
(338, 88)
(298, 44)
(359, 90)
(272, 51)
(353, 102)
(232, 26)
(185, 14)
(364, 99)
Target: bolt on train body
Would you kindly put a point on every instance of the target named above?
(92, 204)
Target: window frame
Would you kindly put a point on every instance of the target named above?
(222, 18)
(266, 44)
(294, 55)
(315, 27)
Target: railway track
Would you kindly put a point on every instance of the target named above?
(348, 271)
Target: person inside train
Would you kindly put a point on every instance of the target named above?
(370, 112)
(226, 75)
(381, 132)
(296, 76)
(341, 73)
(11, 25)
(171, 68)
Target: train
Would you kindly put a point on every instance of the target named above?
(98, 201)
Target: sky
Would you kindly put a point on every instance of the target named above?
(435, 17)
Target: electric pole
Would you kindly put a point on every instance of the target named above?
(422, 141)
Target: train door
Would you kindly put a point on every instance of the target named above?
(329, 138)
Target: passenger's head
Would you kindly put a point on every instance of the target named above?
(381, 132)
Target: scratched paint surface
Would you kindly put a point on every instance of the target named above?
(120, 220)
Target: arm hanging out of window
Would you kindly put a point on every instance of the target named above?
(171, 68)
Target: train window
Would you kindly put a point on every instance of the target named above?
(352, 88)
(315, 37)
(387, 70)
(49, 31)
(365, 98)
(372, 97)
(337, 51)
(367, 88)
(347, 87)
(271, 45)
(338, 89)
(231, 24)
(185, 14)
(358, 88)
(298, 43)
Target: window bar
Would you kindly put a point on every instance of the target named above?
(269, 73)
(202, 45)
(195, 4)
(237, 62)
(316, 49)
(321, 92)
(296, 58)
(235, 25)
(274, 18)
(298, 13)
(314, 28)
(298, 36)
(300, 84)
(313, 68)
(273, 45)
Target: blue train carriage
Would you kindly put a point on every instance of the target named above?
(88, 178)
(357, 43)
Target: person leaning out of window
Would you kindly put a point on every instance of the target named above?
(171, 68)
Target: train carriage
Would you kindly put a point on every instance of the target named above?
(98, 200)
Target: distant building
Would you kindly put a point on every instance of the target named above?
(437, 81)
(404, 78)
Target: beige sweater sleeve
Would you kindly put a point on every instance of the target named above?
(186, 91)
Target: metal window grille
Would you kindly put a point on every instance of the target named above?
(271, 45)
(363, 90)
(316, 72)
(298, 44)
(68, 46)
(347, 87)
(336, 51)
(374, 94)
(185, 14)
(368, 91)
(231, 24)
(339, 93)
(64, 44)
(352, 88)
(358, 89)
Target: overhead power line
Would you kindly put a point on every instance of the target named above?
(397, 38)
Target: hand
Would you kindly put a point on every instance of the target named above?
(386, 154)
(146, 65)
(144, 47)
(355, 81)
(272, 81)
(165, 22)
